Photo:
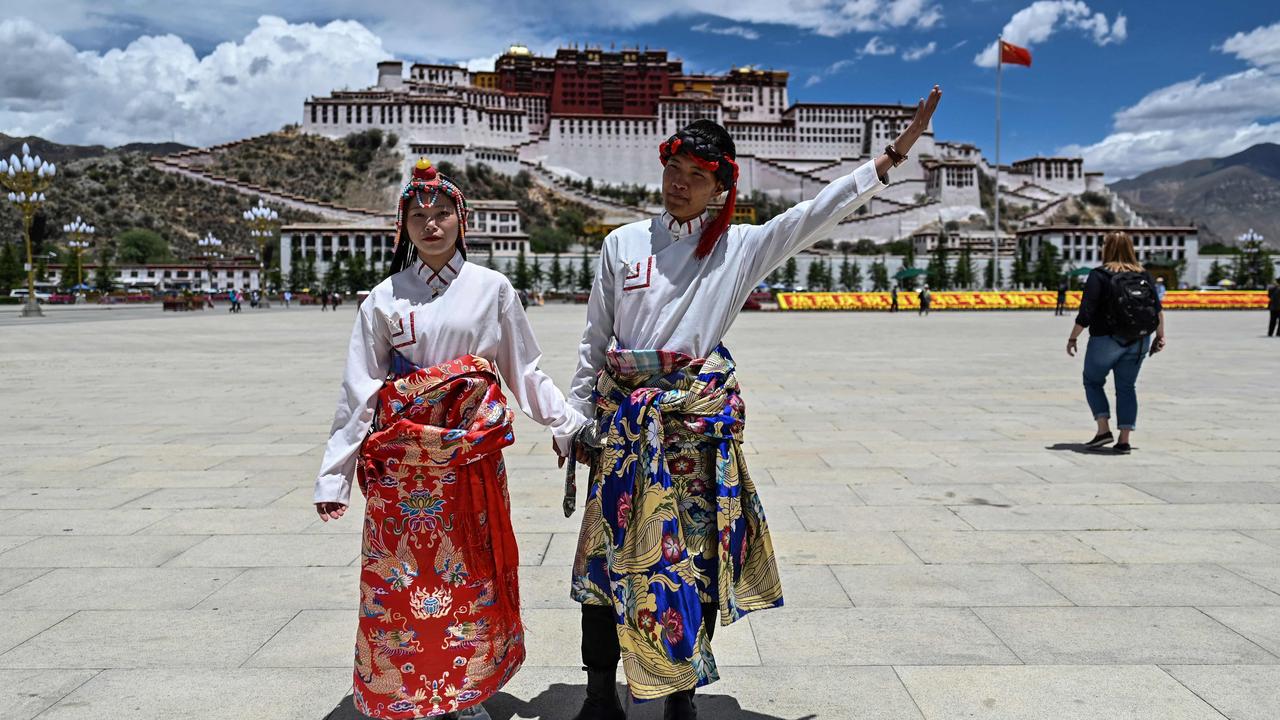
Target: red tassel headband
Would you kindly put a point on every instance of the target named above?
(725, 171)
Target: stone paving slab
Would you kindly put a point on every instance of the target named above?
(944, 552)
(1239, 692)
(1047, 692)
(1121, 636)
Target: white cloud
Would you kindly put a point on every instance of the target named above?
(917, 53)
(482, 64)
(875, 47)
(1197, 118)
(828, 71)
(1041, 19)
(463, 30)
(1259, 47)
(742, 32)
(157, 89)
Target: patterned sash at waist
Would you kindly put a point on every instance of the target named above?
(651, 401)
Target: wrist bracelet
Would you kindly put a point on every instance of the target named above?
(896, 157)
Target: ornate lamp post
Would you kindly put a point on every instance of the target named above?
(263, 220)
(79, 238)
(207, 245)
(26, 179)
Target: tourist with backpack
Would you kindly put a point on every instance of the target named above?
(1121, 308)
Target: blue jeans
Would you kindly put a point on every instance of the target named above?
(1105, 354)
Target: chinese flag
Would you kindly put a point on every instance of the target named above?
(1011, 54)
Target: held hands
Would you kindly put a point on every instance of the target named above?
(1071, 347)
(330, 510)
(920, 122)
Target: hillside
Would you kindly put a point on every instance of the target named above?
(364, 170)
(116, 191)
(1225, 196)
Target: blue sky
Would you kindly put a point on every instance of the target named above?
(1130, 85)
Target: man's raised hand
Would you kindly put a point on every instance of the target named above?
(919, 122)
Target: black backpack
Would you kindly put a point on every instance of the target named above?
(1132, 305)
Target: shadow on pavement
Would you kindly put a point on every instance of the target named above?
(561, 702)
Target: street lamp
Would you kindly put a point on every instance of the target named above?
(208, 243)
(263, 220)
(26, 179)
(80, 238)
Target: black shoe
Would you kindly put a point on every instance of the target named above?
(680, 706)
(1100, 440)
(602, 698)
(1121, 449)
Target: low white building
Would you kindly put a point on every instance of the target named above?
(197, 274)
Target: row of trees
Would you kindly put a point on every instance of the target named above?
(940, 274)
(1251, 267)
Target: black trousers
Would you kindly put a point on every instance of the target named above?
(600, 649)
(1274, 325)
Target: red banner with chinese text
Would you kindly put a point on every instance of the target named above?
(1011, 300)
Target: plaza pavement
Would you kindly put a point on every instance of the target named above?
(947, 552)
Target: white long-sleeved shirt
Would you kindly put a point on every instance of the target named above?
(651, 292)
(432, 317)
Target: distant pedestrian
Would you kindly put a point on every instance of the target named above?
(926, 300)
(1061, 308)
(1273, 304)
(287, 297)
(893, 299)
(324, 301)
(1160, 289)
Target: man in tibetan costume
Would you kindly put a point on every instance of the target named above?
(674, 535)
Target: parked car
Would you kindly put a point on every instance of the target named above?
(41, 295)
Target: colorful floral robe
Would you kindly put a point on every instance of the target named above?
(440, 622)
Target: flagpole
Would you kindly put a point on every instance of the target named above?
(995, 238)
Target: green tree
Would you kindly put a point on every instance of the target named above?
(555, 275)
(297, 274)
(67, 280)
(585, 276)
(962, 276)
(333, 277)
(1048, 267)
(275, 280)
(139, 245)
(1216, 274)
(908, 262)
(855, 277)
(105, 277)
(309, 278)
(489, 262)
(508, 268)
(535, 273)
(992, 267)
(354, 276)
(816, 279)
(789, 272)
(521, 277)
(937, 273)
(570, 275)
(846, 271)
(10, 267)
(1022, 266)
(879, 276)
